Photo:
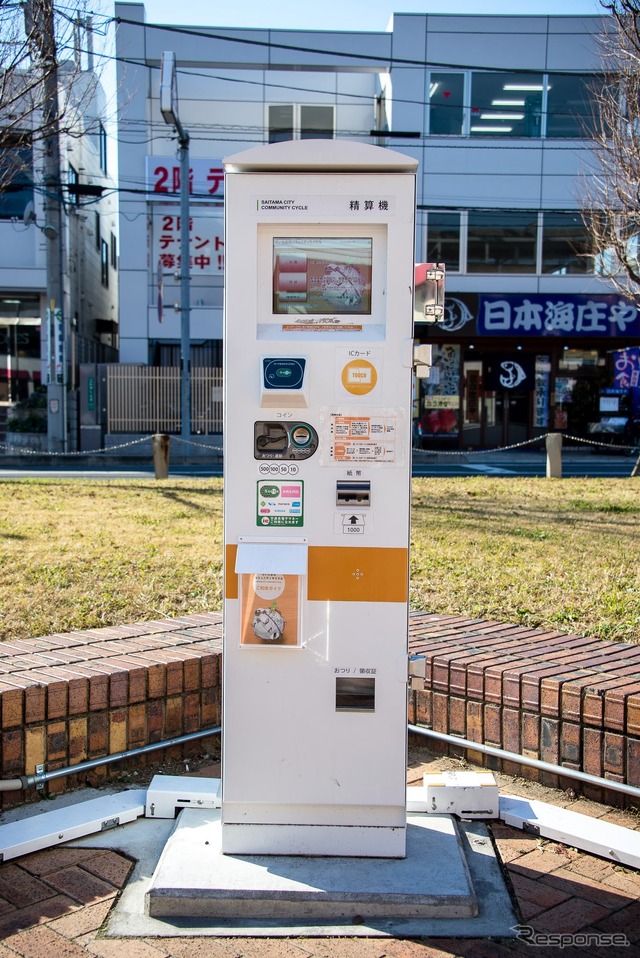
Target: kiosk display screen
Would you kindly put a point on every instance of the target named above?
(319, 275)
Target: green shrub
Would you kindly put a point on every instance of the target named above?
(30, 415)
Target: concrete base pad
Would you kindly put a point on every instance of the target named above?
(146, 838)
(195, 880)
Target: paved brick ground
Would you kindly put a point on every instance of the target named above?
(54, 903)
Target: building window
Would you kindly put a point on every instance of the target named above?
(566, 244)
(102, 146)
(72, 180)
(512, 105)
(443, 239)
(205, 354)
(19, 345)
(316, 123)
(104, 263)
(571, 108)
(16, 162)
(502, 241)
(114, 251)
(280, 123)
(446, 104)
(504, 104)
(571, 359)
(96, 227)
(289, 121)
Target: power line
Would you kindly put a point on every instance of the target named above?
(219, 201)
(266, 84)
(423, 140)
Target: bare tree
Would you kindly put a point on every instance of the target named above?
(612, 203)
(41, 54)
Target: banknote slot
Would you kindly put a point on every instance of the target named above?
(350, 494)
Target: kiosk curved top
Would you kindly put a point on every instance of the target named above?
(321, 156)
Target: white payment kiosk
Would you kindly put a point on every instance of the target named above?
(319, 260)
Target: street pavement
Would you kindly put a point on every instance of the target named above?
(60, 901)
(576, 462)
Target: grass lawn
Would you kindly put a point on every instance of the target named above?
(558, 553)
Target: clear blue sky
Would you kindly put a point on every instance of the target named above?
(342, 14)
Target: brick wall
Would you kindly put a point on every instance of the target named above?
(564, 699)
(83, 695)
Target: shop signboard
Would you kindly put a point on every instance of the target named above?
(206, 244)
(206, 178)
(547, 315)
(626, 375)
(553, 315)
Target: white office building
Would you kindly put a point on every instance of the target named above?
(37, 344)
(498, 112)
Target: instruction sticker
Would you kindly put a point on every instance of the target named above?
(363, 438)
(279, 503)
(352, 523)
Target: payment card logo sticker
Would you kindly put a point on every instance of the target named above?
(279, 503)
(359, 377)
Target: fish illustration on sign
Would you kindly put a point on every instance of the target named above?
(512, 374)
(456, 314)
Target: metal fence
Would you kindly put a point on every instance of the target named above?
(206, 401)
(146, 399)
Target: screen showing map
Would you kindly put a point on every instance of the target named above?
(322, 275)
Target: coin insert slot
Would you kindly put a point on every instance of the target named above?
(275, 440)
(272, 438)
(350, 494)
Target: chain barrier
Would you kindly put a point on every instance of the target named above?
(199, 445)
(528, 442)
(603, 445)
(20, 451)
(483, 452)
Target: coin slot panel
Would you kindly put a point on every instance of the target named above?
(275, 440)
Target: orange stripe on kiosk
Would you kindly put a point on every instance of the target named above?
(345, 574)
(348, 574)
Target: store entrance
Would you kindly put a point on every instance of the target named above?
(473, 405)
(512, 416)
(492, 417)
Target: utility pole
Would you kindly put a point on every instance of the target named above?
(40, 31)
(169, 110)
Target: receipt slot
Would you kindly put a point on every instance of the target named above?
(319, 257)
